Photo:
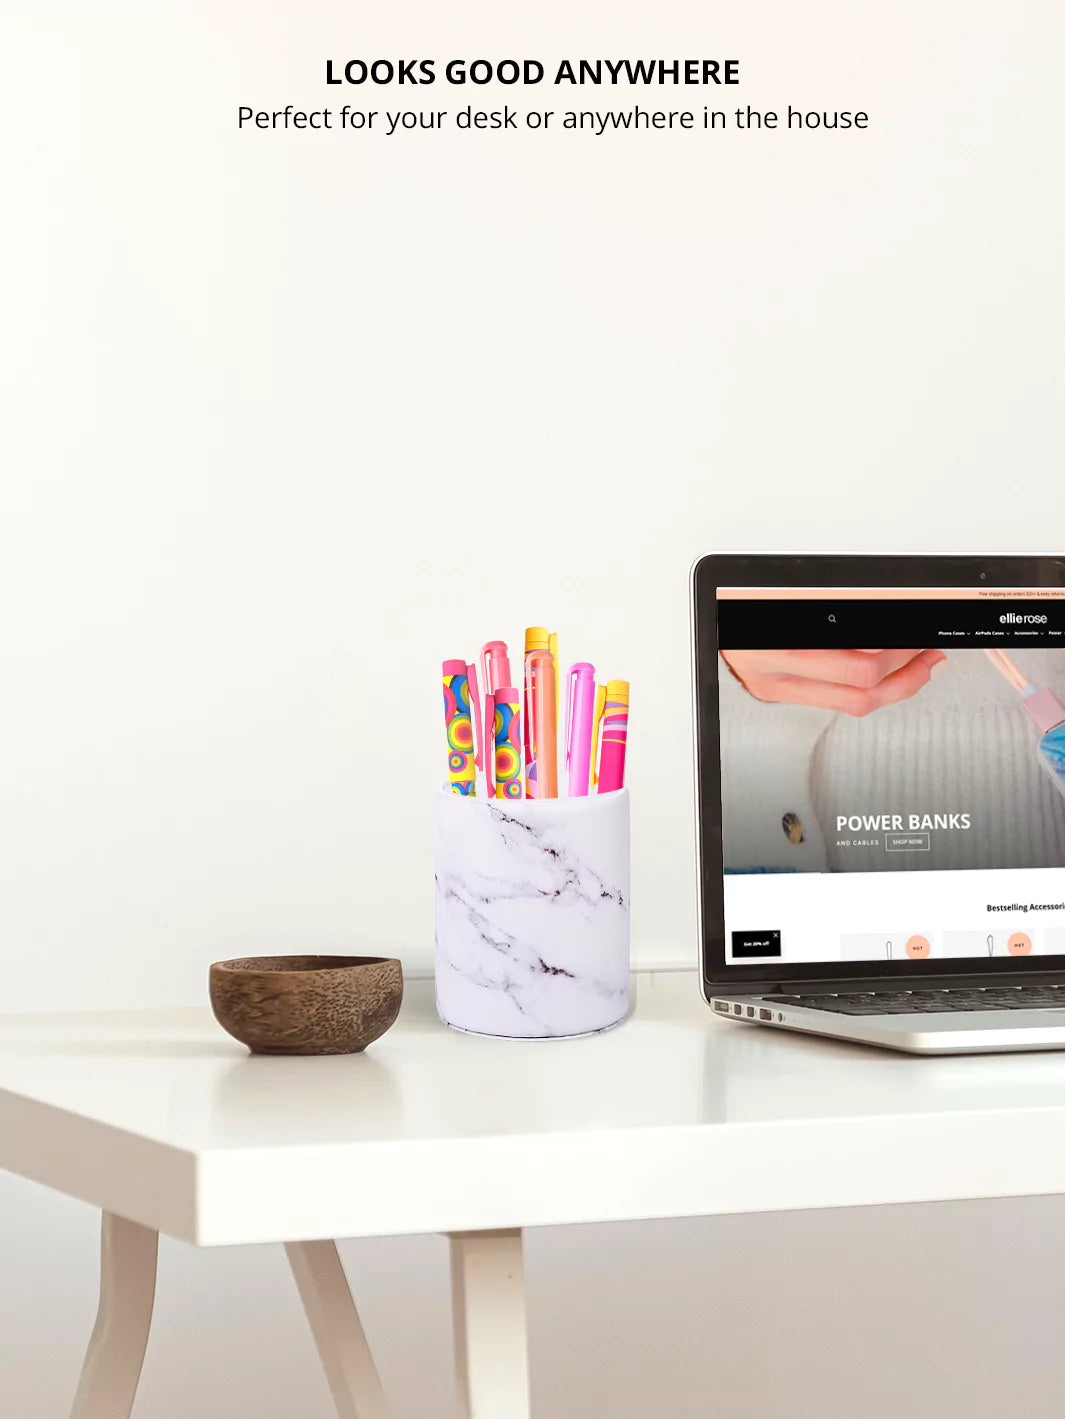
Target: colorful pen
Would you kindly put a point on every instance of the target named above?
(507, 742)
(459, 728)
(580, 716)
(541, 764)
(615, 732)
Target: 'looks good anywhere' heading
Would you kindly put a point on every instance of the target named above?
(531, 71)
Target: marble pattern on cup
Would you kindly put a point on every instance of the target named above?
(532, 914)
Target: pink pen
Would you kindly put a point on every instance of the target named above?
(580, 715)
(483, 729)
(615, 733)
(496, 663)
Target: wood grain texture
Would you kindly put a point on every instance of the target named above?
(306, 1004)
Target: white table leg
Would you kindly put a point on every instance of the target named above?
(488, 1316)
(337, 1330)
(112, 1369)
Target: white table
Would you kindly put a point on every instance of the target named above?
(167, 1125)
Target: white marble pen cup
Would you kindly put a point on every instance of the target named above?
(532, 913)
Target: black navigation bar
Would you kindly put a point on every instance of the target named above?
(850, 624)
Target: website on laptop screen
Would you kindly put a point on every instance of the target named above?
(892, 773)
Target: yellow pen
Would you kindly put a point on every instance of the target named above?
(600, 706)
(540, 638)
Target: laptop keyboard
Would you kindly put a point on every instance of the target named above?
(930, 1002)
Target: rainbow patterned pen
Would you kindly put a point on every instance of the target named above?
(459, 726)
(615, 733)
(508, 743)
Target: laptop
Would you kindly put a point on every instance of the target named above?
(880, 760)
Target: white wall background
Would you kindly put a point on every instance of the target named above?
(279, 417)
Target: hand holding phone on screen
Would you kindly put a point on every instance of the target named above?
(854, 682)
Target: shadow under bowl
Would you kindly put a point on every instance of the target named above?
(306, 1004)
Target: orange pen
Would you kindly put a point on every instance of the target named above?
(541, 768)
(536, 638)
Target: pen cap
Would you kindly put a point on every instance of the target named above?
(1045, 710)
(540, 638)
(541, 662)
(618, 691)
(580, 675)
(495, 659)
(453, 667)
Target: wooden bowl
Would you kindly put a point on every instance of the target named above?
(306, 1004)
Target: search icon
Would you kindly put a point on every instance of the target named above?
(832, 619)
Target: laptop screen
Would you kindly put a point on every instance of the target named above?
(892, 774)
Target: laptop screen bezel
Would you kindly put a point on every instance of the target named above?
(813, 570)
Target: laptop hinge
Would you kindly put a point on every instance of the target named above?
(921, 982)
(883, 983)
